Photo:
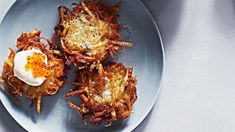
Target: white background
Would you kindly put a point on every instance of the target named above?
(198, 91)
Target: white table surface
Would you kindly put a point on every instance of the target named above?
(198, 90)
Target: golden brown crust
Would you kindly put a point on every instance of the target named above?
(106, 95)
(52, 83)
(89, 32)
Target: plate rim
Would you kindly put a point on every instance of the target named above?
(156, 97)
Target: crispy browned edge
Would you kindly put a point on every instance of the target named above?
(101, 10)
(96, 112)
(17, 87)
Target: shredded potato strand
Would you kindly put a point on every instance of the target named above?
(89, 32)
(55, 76)
(106, 95)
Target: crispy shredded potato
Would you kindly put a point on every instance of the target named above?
(56, 66)
(107, 94)
(89, 32)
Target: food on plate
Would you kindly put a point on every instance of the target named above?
(89, 32)
(107, 94)
(33, 69)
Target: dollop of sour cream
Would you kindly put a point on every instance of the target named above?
(20, 71)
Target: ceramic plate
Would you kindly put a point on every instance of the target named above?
(146, 57)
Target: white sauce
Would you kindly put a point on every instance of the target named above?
(20, 72)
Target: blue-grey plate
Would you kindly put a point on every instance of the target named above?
(146, 57)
